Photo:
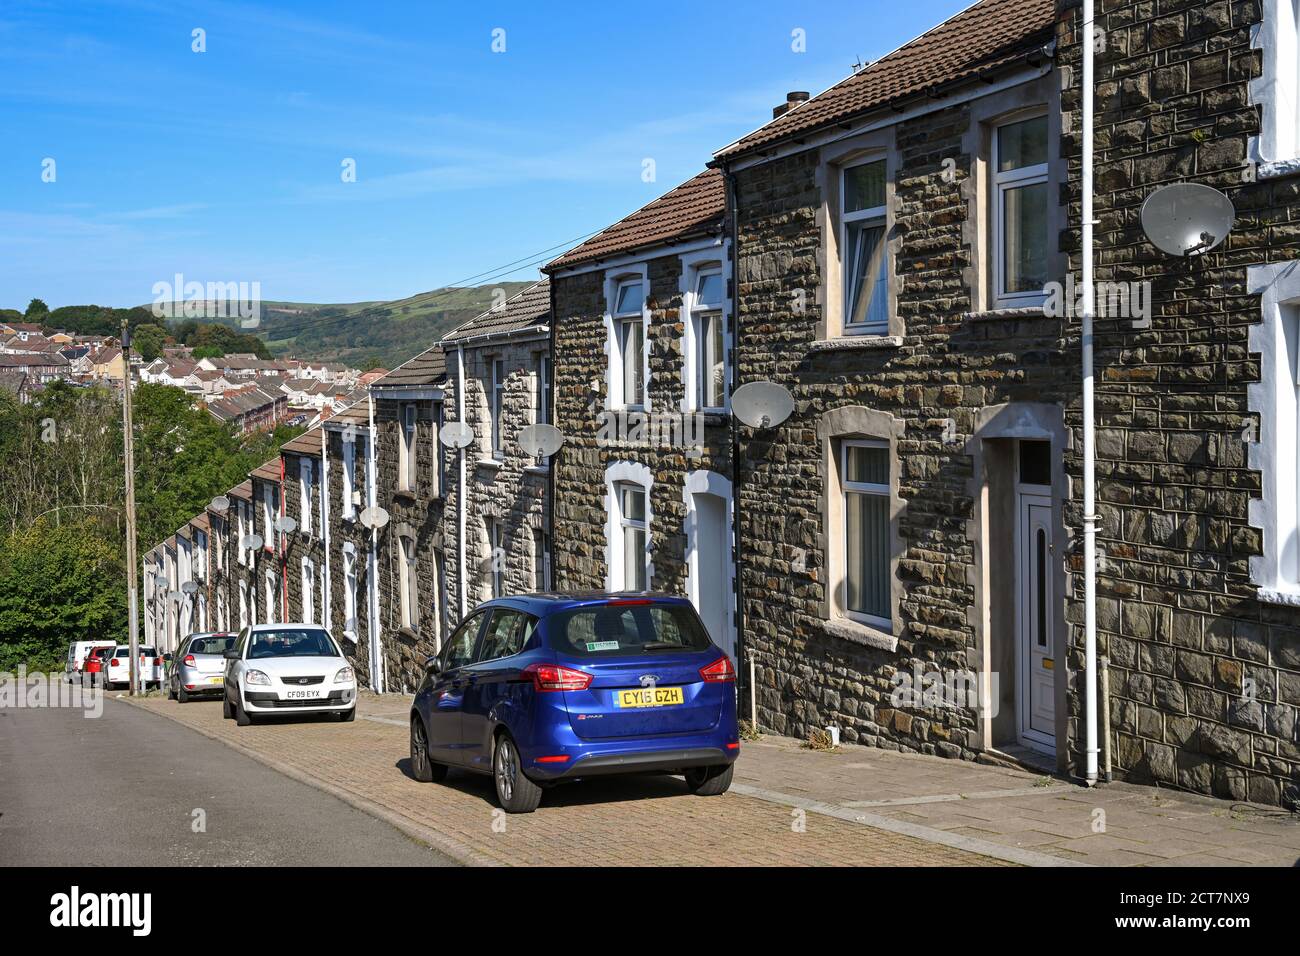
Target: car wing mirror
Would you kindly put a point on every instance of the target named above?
(230, 654)
(433, 665)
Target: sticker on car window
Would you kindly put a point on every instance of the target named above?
(602, 646)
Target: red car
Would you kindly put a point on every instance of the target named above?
(95, 662)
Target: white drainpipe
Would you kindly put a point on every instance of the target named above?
(460, 489)
(1089, 437)
(328, 596)
(376, 661)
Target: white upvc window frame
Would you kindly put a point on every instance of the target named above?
(871, 216)
(268, 516)
(876, 489)
(407, 430)
(272, 610)
(244, 619)
(1002, 183)
(306, 483)
(621, 359)
(308, 590)
(350, 587)
(541, 560)
(543, 379)
(496, 406)
(349, 512)
(496, 575)
(628, 525)
(698, 345)
(407, 582)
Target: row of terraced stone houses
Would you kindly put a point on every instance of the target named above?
(887, 252)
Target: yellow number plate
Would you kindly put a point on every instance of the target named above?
(650, 697)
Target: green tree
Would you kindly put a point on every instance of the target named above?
(208, 351)
(37, 310)
(149, 340)
(58, 584)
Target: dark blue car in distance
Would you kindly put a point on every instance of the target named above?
(542, 688)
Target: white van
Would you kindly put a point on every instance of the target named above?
(78, 651)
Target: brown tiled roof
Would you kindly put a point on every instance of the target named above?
(694, 208)
(358, 414)
(200, 521)
(308, 443)
(268, 470)
(427, 368)
(532, 306)
(243, 490)
(981, 39)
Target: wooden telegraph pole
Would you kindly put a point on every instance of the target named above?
(128, 460)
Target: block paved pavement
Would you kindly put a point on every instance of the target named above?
(860, 806)
(1143, 826)
(643, 820)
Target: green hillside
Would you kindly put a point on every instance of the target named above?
(361, 332)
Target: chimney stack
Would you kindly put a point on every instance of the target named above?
(792, 99)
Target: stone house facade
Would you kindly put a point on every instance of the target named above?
(408, 404)
(891, 529)
(643, 483)
(268, 570)
(352, 550)
(306, 571)
(496, 516)
(1198, 604)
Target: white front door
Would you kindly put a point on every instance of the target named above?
(710, 567)
(1036, 683)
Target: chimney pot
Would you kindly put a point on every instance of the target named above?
(792, 99)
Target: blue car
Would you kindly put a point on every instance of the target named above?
(543, 688)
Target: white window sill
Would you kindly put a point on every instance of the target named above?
(1274, 596)
(490, 463)
(859, 633)
(1005, 312)
(537, 469)
(852, 342)
(1278, 169)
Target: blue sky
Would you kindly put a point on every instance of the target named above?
(225, 165)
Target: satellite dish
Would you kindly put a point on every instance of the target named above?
(220, 504)
(762, 404)
(189, 587)
(540, 440)
(375, 517)
(251, 542)
(1185, 219)
(159, 581)
(456, 435)
(285, 524)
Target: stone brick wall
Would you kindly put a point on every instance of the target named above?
(949, 365)
(581, 358)
(357, 647)
(1177, 613)
(513, 490)
(301, 544)
(418, 513)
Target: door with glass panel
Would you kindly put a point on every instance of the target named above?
(1035, 598)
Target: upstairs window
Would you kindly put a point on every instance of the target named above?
(408, 583)
(863, 224)
(628, 381)
(349, 477)
(543, 398)
(406, 450)
(496, 558)
(306, 480)
(709, 340)
(1020, 199)
(497, 398)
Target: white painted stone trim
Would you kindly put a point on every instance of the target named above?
(637, 474)
(692, 264)
(613, 370)
(704, 481)
(1275, 90)
(1274, 399)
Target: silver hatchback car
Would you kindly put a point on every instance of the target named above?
(198, 668)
